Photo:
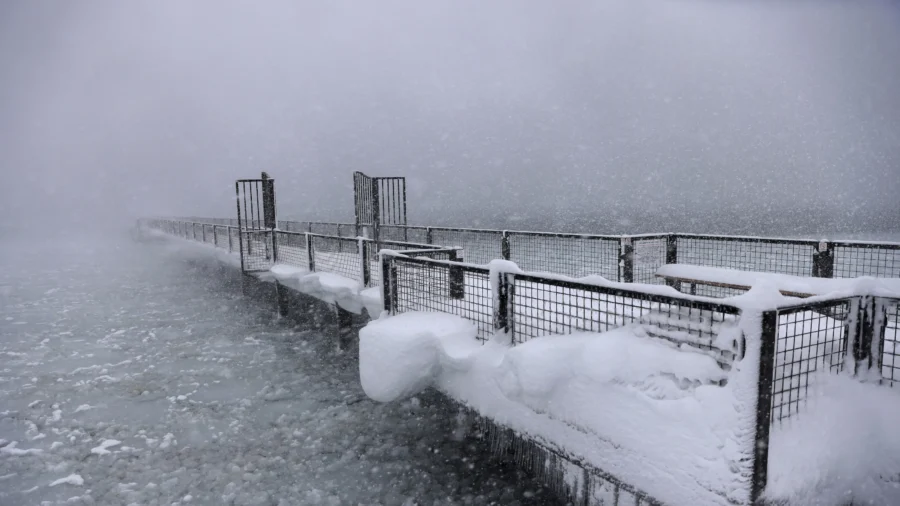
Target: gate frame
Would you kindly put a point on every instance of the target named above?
(378, 201)
(261, 220)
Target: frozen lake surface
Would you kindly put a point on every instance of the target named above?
(129, 377)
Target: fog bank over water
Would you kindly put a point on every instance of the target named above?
(776, 117)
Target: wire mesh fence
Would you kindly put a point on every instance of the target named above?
(321, 228)
(209, 234)
(478, 246)
(650, 253)
(337, 255)
(890, 352)
(543, 306)
(626, 258)
(294, 226)
(810, 338)
(373, 257)
(292, 249)
(571, 255)
(749, 254)
(852, 260)
(257, 250)
(419, 284)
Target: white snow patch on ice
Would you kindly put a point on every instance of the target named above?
(11, 449)
(72, 479)
(103, 449)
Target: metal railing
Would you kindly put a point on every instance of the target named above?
(852, 335)
(635, 258)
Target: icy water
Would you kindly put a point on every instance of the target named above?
(130, 377)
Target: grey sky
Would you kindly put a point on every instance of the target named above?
(696, 115)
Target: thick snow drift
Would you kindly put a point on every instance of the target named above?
(844, 446)
(401, 356)
(667, 420)
(630, 404)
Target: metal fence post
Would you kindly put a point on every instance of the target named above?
(429, 239)
(203, 232)
(504, 246)
(823, 260)
(764, 404)
(672, 258)
(230, 247)
(626, 259)
(501, 303)
(274, 246)
(387, 282)
(870, 322)
(215, 236)
(363, 249)
(310, 257)
(671, 249)
(456, 278)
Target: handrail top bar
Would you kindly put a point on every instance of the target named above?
(567, 282)
(686, 235)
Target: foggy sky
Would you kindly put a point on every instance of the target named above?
(604, 115)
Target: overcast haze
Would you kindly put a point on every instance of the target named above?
(611, 116)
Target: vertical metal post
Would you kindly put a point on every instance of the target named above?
(356, 201)
(215, 236)
(395, 283)
(823, 260)
(429, 239)
(364, 261)
(404, 201)
(376, 212)
(671, 249)
(870, 322)
(310, 258)
(237, 200)
(510, 307)
(274, 234)
(626, 260)
(501, 307)
(387, 282)
(764, 404)
(230, 247)
(672, 258)
(457, 278)
(505, 251)
(270, 221)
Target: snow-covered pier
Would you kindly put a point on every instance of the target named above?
(732, 396)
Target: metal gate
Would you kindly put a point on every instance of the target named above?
(378, 201)
(256, 222)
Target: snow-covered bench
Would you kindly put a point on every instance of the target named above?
(788, 285)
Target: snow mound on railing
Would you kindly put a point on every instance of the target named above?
(666, 418)
(403, 355)
(325, 286)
